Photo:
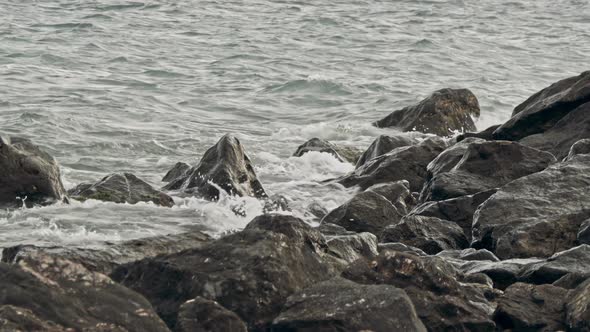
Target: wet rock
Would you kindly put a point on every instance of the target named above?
(486, 134)
(427, 233)
(450, 157)
(583, 235)
(28, 175)
(226, 167)
(349, 248)
(250, 273)
(396, 246)
(469, 254)
(545, 108)
(578, 308)
(516, 223)
(317, 210)
(179, 169)
(405, 163)
(503, 273)
(580, 147)
(398, 193)
(202, 315)
(443, 113)
(17, 319)
(109, 256)
(344, 154)
(385, 144)
(525, 307)
(329, 229)
(484, 166)
(365, 212)
(121, 188)
(342, 305)
(575, 260)
(572, 280)
(54, 293)
(441, 302)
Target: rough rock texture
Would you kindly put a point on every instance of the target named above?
(121, 188)
(28, 174)
(443, 113)
(179, 169)
(442, 303)
(365, 212)
(343, 154)
(580, 147)
(525, 307)
(386, 143)
(583, 235)
(503, 273)
(450, 157)
(225, 166)
(349, 248)
(202, 315)
(546, 107)
(405, 163)
(58, 294)
(486, 134)
(469, 254)
(486, 165)
(459, 210)
(398, 193)
(537, 215)
(572, 280)
(342, 305)
(105, 259)
(251, 272)
(578, 308)
(427, 233)
(575, 260)
(396, 246)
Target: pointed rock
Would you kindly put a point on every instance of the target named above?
(344, 154)
(385, 143)
(177, 171)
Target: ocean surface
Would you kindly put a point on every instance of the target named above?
(113, 86)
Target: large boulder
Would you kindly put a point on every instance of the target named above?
(430, 234)
(404, 163)
(225, 166)
(398, 193)
(578, 308)
(386, 143)
(202, 315)
(536, 215)
(29, 175)
(344, 154)
(250, 273)
(575, 260)
(450, 157)
(484, 166)
(179, 169)
(365, 212)
(545, 108)
(486, 134)
(342, 305)
(443, 113)
(121, 188)
(525, 307)
(349, 248)
(53, 294)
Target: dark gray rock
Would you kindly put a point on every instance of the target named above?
(545, 108)
(536, 215)
(225, 166)
(575, 260)
(469, 254)
(250, 273)
(121, 188)
(443, 113)
(317, 210)
(342, 305)
(484, 166)
(578, 308)
(525, 307)
(486, 134)
(396, 246)
(28, 175)
(17, 319)
(450, 157)
(178, 170)
(405, 163)
(398, 193)
(349, 248)
(328, 229)
(344, 154)
(583, 235)
(427, 233)
(365, 212)
(202, 315)
(572, 280)
(386, 143)
(580, 147)
(503, 273)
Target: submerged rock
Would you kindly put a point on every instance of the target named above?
(443, 113)
(224, 167)
(202, 315)
(29, 175)
(121, 188)
(344, 154)
(178, 170)
(386, 143)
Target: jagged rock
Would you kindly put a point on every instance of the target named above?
(525, 307)
(365, 212)
(121, 188)
(225, 166)
(583, 235)
(469, 254)
(427, 233)
(28, 175)
(441, 302)
(349, 248)
(342, 305)
(398, 193)
(450, 157)
(109, 256)
(61, 295)
(251, 272)
(578, 308)
(179, 169)
(443, 113)
(484, 166)
(329, 229)
(536, 215)
(486, 134)
(572, 280)
(396, 246)
(580, 147)
(344, 154)
(575, 260)
(558, 140)
(459, 210)
(202, 315)
(385, 143)
(503, 273)
(545, 108)
(405, 163)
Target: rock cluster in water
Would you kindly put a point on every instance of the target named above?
(481, 232)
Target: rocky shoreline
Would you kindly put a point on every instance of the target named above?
(480, 231)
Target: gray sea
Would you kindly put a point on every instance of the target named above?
(110, 86)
